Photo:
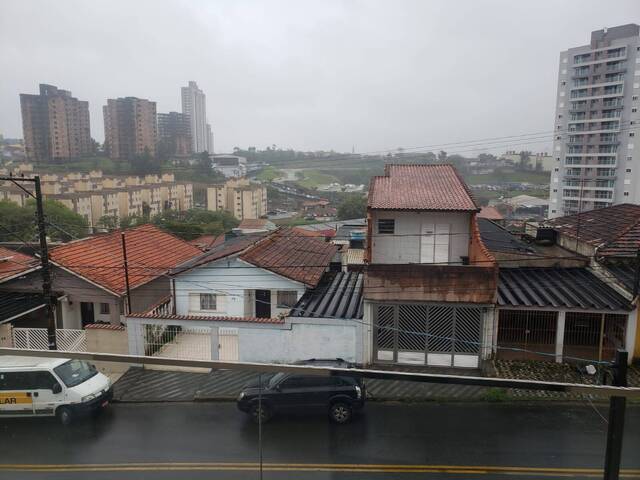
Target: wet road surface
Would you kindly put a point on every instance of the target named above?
(215, 441)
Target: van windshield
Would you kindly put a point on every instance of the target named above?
(74, 372)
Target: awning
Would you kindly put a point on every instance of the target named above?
(573, 288)
(339, 295)
(16, 304)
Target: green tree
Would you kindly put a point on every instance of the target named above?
(354, 206)
(19, 223)
(145, 163)
(69, 224)
(195, 222)
(108, 222)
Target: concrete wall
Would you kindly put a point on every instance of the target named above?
(404, 245)
(296, 339)
(232, 280)
(108, 340)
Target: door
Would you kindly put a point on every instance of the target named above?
(44, 398)
(86, 313)
(298, 392)
(263, 303)
(434, 243)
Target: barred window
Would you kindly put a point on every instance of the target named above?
(386, 226)
(207, 301)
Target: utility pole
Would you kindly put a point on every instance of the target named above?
(126, 271)
(49, 299)
(617, 407)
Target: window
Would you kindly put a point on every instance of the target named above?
(26, 381)
(207, 301)
(628, 170)
(386, 226)
(626, 194)
(287, 298)
(104, 309)
(632, 134)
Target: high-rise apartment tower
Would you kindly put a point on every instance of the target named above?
(194, 104)
(130, 127)
(597, 125)
(55, 125)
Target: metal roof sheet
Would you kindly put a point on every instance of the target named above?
(16, 304)
(573, 288)
(339, 295)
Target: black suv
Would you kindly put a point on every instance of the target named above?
(340, 395)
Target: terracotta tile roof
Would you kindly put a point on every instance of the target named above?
(303, 259)
(625, 245)
(491, 213)
(206, 318)
(254, 223)
(150, 254)
(206, 242)
(104, 326)
(231, 246)
(420, 187)
(599, 226)
(313, 233)
(14, 263)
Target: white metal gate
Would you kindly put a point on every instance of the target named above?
(37, 339)
(189, 342)
(228, 344)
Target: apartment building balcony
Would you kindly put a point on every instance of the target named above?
(610, 83)
(602, 59)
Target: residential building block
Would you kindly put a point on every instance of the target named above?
(130, 127)
(596, 148)
(55, 125)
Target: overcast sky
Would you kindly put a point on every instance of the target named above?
(310, 75)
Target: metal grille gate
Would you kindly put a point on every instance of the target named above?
(594, 336)
(423, 334)
(522, 333)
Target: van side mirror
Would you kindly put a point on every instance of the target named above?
(56, 388)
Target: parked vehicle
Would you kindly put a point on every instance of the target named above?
(68, 389)
(339, 396)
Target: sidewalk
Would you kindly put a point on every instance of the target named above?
(146, 385)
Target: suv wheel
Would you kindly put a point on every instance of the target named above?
(340, 412)
(256, 412)
(64, 415)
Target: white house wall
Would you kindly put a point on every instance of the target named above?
(231, 278)
(404, 245)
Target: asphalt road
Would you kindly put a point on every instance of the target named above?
(215, 441)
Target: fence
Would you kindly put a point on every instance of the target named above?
(190, 342)
(37, 338)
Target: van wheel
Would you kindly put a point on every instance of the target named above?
(64, 415)
(256, 412)
(340, 412)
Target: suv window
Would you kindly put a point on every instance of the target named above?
(310, 382)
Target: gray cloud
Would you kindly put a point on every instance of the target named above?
(308, 75)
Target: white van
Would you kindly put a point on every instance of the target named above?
(34, 386)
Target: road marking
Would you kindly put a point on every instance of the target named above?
(318, 467)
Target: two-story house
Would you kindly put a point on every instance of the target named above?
(430, 283)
